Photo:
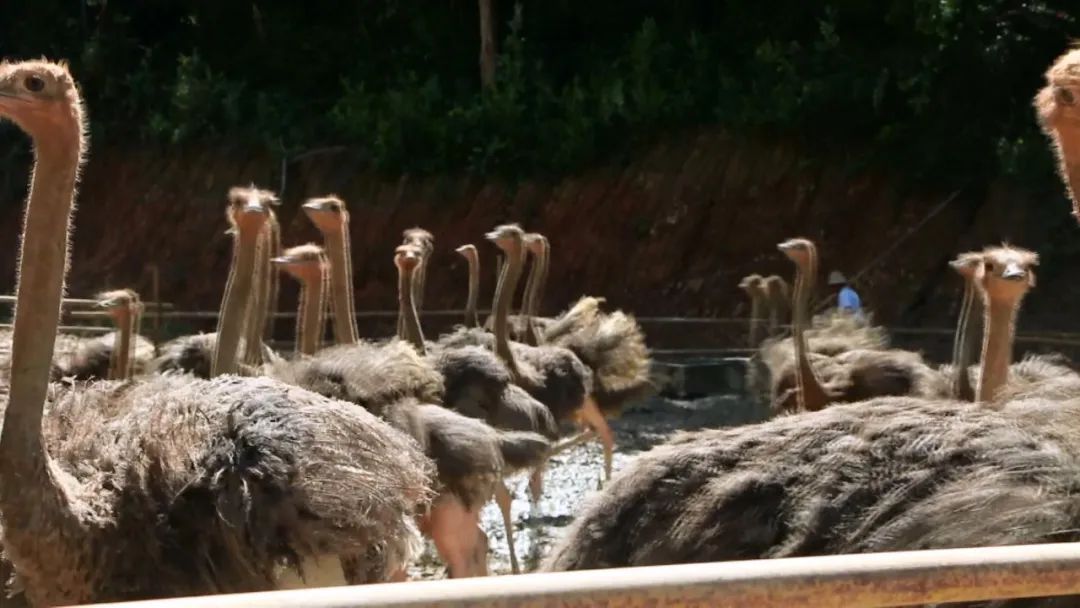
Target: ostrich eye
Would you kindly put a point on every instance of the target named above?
(34, 84)
(1066, 96)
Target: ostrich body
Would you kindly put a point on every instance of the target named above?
(854, 375)
(167, 486)
(472, 258)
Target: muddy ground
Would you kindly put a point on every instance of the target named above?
(575, 474)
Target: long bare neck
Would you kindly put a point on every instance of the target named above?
(962, 388)
(341, 285)
(419, 281)
(472, 317)
(812, 395)
(121, 354)
(311, 315)
(264, 300)
(1000, 320)
(535, 295)
(40, 527)
(235, 303)
(408, 319)
(508, 281)
(529, 333)
(755, 320)
(1068, 142)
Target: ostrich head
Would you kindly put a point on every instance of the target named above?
(42, 99)
(967, 264)
(407, 258)
(507, 237)
(468, 252)
(420, 238)
(535, 242)
(303, 262)
(119, 303)
(776, 287)
(753, 285)
(801, 251)
(1006, 274)
(1057, 107)
(328, 213)
(249, 209)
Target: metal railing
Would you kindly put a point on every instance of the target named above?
(850, 581)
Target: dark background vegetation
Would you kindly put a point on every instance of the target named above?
(937, 88)
(712, 128)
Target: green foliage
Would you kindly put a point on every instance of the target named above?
(939, 89)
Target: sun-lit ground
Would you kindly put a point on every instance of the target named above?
(577, 473)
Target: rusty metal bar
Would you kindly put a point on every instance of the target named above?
(840, 581)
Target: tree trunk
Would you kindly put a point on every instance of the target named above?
(487, 45)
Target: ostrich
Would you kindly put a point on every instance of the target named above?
(117, 355)
(509, 408)
(778, 295)
(330, 217)
(853, 375)
(611, 345)
(966, 265)
(754, 286)
(195, 354)
(472, 258)
(167, 486)
(474, 383)
(425, 242)
(890, 474)
(395, 382)
(527, 327)
(308, 265)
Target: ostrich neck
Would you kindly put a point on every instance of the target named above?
(1070, 161)
(536, 295)
(235, 303)
(40, 528)
(252, 351)
(962, 388)
(122, 347)
(310, 316)
(337, 247)
(472, 318)
(409, 320)
(755, 320)
(264, 302)
(527, 303)
(419, 281)
(997, 347)
(508, 281)
(812, 395)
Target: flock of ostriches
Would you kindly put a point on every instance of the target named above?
(218, 465)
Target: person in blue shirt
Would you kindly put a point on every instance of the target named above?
(846, 299)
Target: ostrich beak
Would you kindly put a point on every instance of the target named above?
(1013, 272)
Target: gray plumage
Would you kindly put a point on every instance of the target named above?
(190, 487)
(887, 475)
(90, 359)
